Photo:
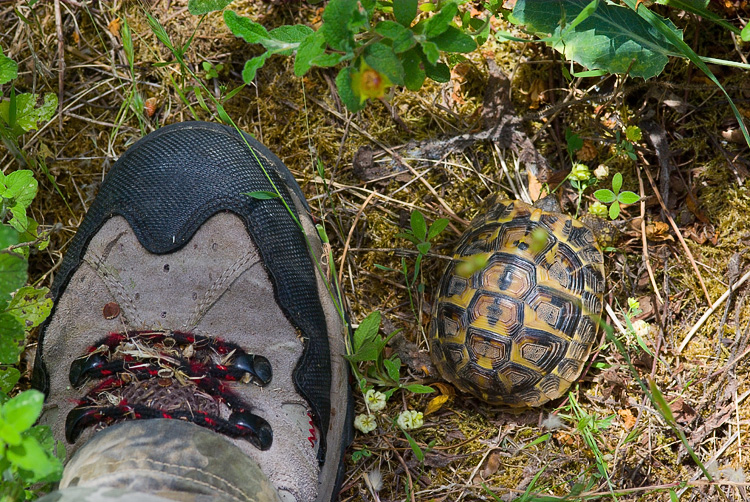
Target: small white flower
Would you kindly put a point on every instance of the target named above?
(601, 172)
(365, 423)
(641, 328)
(410, 419)
(375, 400)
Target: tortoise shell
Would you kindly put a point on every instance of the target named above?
(518, 328)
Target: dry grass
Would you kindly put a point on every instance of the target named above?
(615, 442)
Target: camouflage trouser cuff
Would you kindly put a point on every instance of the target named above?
(161, 460)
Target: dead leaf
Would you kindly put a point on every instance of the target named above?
(683, 412)
(150, 106)
(628, 420)
(444, 388)
(492, 465)
(658, 231)
(114, 27)
(435, 404)
(587, 152)
(536, 93)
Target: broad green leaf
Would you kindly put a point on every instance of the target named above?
(337, 18)
(745, 33)
(27, 113)
(311, 47)
(344, 87)
(614, 210)
(414, 74)
(43, 435)
(328, 60)
(418, 453)
(291, 35)
(8, 68)
(438, 23)
(418, 225)
(23, 410)
(617, 182)
(402, 38)
(21, 186)
(628, 197)
(11, 339)
(30, 456)
(382, 59)
(437, 227)
(200, 7)
(612, 38)
(8, 378)
(262, 195)
(419, 389)
(424, 247)
(438, 72)
(605, 196)
(245, 28)
(454, 40)
(12, 265)
(252, 66)
(431, 52)
(408, 236)
(30, 306)
(367, 330)
(19, 221)
(369, 351)
(393, 367)
(405, 11)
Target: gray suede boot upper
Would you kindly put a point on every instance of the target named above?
(182, 297)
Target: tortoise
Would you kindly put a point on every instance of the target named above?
(517, 329)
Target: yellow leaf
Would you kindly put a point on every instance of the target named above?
(435, 404)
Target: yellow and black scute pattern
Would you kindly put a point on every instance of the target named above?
(518, 331)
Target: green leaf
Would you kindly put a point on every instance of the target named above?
(291, 34)
(8, 378)
(418, 225)
(30, 306)
(437, 227)
(11, 339)
(311, 47)
(418, 453)
(405, 11)
(245, 28)
(614, 210)
(367, 330)
(382, 59)
(30, 456)
(337, 18)
(21, 186)
(252, 66)
(8, 68)
(424, 247)
(19, 221)
(344, 86)
(262, 195)
(617, 182)
(23, 410)
(612, 37)
(27, 113)
(12, 265)
(402, 38)
(605, 196)
(454, 40)
(369, 351)
(419, 389)
(393, 367)
(438, 23)
(409, 237)
(438, 72)
(431, 52)
(744, 34)
(628, 197)
(414, 74)
(200, 7)
(328, 60)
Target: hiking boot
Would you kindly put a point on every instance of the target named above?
(181, 297)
